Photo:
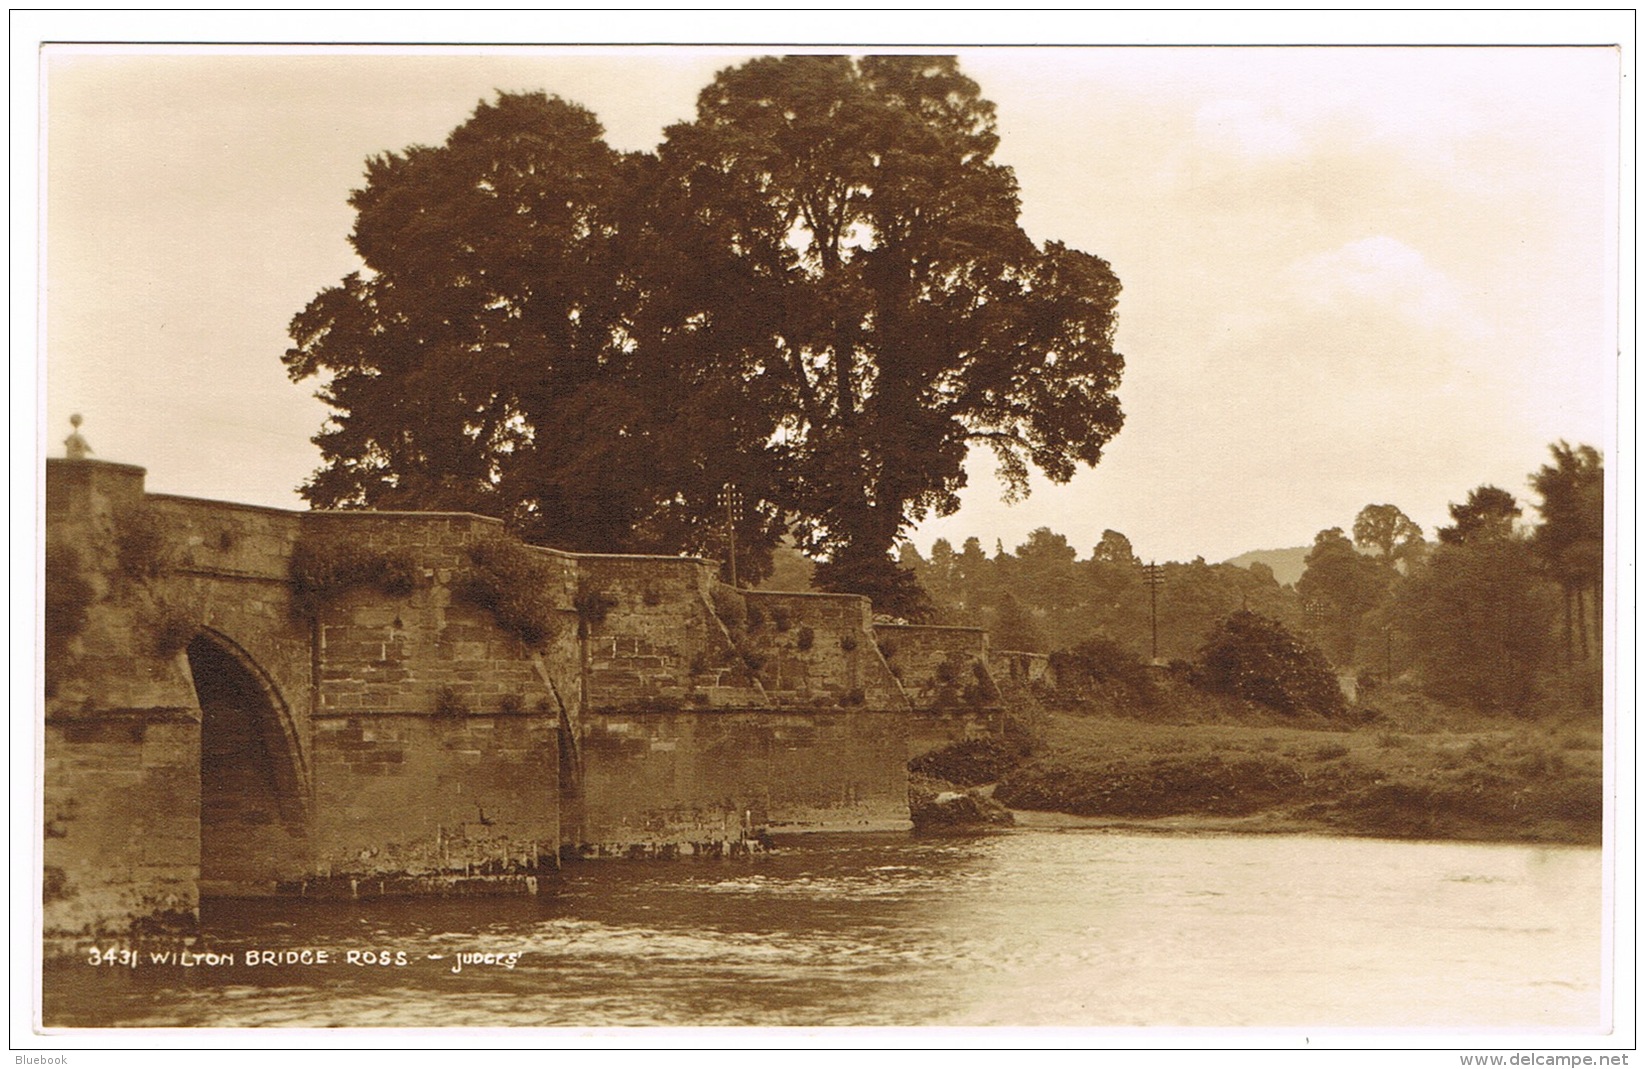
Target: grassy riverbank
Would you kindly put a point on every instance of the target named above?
(1413, 771)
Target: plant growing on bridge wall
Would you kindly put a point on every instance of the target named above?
(739, 615)
(593, 605)
(731, 607)
(144, 551)
(515, 585)
(68, 595)
(983, 690)
(945, 690)
(751, 658)
(171, 628)
(324, 567)
(68, 598)
(140, 543)
(448, 703)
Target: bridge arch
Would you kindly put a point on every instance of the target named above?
(255, 794)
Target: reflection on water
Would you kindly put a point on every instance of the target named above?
(1034, 927)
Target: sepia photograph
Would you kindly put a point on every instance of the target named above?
(1080, 544)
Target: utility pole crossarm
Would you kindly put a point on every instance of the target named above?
(731, 499)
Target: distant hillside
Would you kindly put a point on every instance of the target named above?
(1287, 563)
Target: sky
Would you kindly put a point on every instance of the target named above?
(1351, 275)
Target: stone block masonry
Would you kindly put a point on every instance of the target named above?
(653, 637)
(393, 732)
(1023, 669)
(819, 650)
(946, 673)
(709, 775)
(447, 796)
(121, 827)
(710, 712)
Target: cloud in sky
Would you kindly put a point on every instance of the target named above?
(1385, 272)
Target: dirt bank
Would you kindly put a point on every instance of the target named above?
(1483, 781)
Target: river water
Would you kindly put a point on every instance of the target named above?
(1071, 927)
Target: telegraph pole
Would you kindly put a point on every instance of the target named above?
(1154, 576)
(732, 500)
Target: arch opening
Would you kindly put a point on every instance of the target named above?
(253, 816)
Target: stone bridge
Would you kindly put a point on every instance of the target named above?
(250, 701)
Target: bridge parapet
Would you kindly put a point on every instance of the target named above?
(428, 650)
(949, 681)
(1022, 668)
(818, 651)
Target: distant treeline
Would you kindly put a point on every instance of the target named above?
(1501, 611)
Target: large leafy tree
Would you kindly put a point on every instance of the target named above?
(817, 290)
(1044, 571)
(485, 358)
(1478, 619)
(485, 288)
(1394, 536)
(893, 295)
(1488, 515)
(1115, 548)
(1014, 628)
(1343, 585)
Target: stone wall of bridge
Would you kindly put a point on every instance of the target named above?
(706, 775)
(950, 683)
(211, 724)
(710, 710)
(120, 730)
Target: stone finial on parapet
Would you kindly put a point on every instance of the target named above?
(75, 447)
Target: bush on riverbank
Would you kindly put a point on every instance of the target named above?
(1100, 670)
(1170, 696)
(970, 762)
(1256, 658)
(1250, 667)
